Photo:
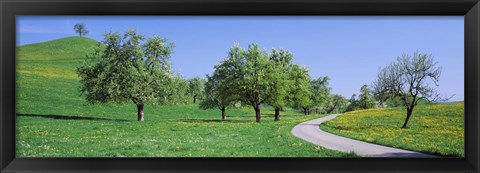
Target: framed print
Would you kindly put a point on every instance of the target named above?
(239, 86)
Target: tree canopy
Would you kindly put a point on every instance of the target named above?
(281, 62)
(177, 92)
(217, 95)
(128, 68)
(366, 99)
(196, 88)
(337, 104)
(249, 74)
(320, 94)
(254, 77)
(300, 92)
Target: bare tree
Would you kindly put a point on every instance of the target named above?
(408, 78)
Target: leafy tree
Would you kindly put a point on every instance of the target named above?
(127, 70)
(300, 90)
(216, 94)
(197, 88)
(280, 84)
(81, 29)
(394, 102)
(178, 92)
(353, 103)
(338, 104)
(408, 78)
(382, 100)
(320, 94)
(249, 74)
(366, 99)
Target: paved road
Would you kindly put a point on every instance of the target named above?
(310, 131)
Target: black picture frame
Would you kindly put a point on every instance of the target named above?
(470, 9)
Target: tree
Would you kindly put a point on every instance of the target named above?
(366, 100)
(178, 92)
(394, 102)
(216, 94)
(381, 100)
(81, 29)
(197, 88)
(249, 74)
(320, 93)
(300, 90)
(353, 103)
(337, 104)
(408, 78)
(127, 70)
(280, 84)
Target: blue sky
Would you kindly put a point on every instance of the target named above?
(350, 50)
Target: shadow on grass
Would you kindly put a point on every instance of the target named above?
(214, 120)
(272, 115)
(66, 117)
(242, 116)
(263, 115)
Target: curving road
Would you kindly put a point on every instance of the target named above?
(310, 131)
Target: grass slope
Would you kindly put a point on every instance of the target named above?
(435, 129)
(53, 120)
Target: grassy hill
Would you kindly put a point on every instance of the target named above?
(53, 120)
(60, 49)
(435, 129)
(46, 78)
(56, 58)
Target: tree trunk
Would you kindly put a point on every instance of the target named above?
(305, 111)
(140, 112)
(223, 113)
(409, 113)
(194, 99)
(277, 114)
(257, 114)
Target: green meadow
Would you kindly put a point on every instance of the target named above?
(53, 120)
(434, 129)
(168, 131)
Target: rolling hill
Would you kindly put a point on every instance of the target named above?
(46, 77)
(54, 120)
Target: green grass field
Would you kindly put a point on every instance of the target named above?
(53, 120)
(435, 129)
